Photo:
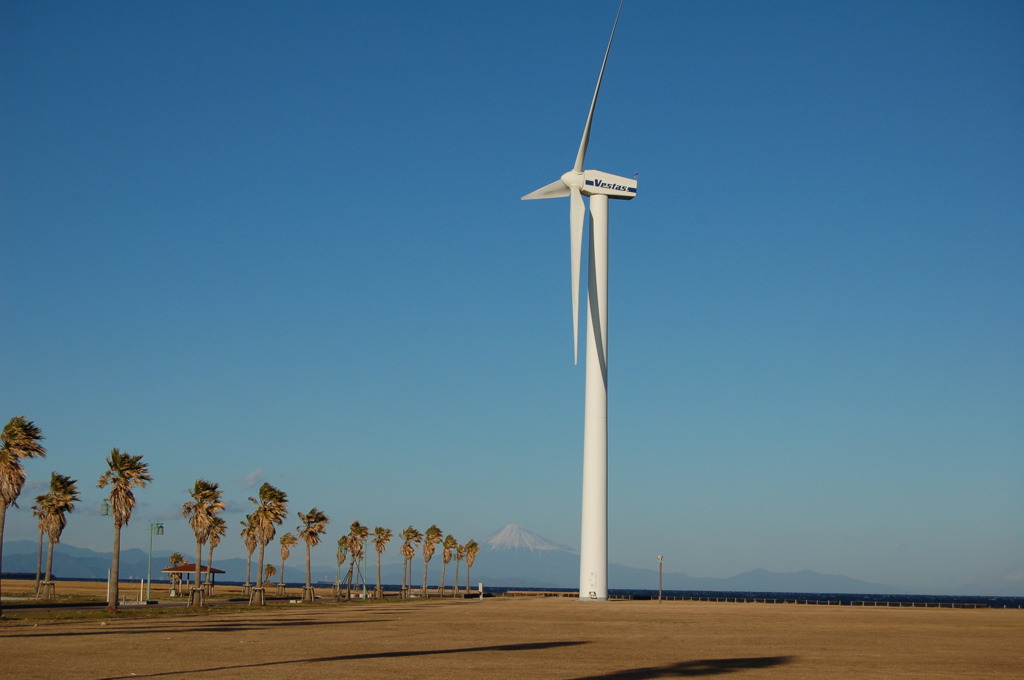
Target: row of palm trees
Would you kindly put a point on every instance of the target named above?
(259, 528)
(19, 441)
(352, 544)
(21, 438)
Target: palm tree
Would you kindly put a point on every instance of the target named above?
(20, 440)
(287, 541)
(175, 559)
(408, 552)
(381, 537)
(59, 501)
(472, 548)
(431, 537)
(269, 572)
(409, 537)
(447, 546)
(249, 538)
(206, 504)
(341, 555)
(218, 527)
(271, 509)
(314, 523)
(125, 473)
(39, 512)
(460, 554)
(357, 533)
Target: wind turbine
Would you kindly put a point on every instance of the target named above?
(599, 186)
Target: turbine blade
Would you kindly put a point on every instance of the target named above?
(593, 104)
(556, 189)
(577, 212)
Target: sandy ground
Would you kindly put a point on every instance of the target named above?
(519, 638)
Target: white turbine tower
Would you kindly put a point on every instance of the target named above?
(599, 186)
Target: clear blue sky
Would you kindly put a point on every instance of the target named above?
(283, 242)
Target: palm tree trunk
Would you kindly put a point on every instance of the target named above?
(39, 561)
(199, 562)
(308, 578)
(115, 564)
(49, 562)
(209, 571)
(259, 573)
(248, 569)
(424, 578)
(281, 582)
(3, 519)
(209, 566)
(467, 578)
(444, 568)
(380, 590)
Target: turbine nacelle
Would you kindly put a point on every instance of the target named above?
(589, 183)
(607, 184)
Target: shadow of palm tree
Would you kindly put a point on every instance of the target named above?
(201, 627)
(690, 669)
(526, 646)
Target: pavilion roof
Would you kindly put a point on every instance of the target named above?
(190, 568)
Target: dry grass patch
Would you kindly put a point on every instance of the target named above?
(512, 638)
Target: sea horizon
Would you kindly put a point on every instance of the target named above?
(780, 597)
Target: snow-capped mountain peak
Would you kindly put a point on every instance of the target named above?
(516, 537)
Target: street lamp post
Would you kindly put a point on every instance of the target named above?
(659, 577)
(106, 511)
(158, 529)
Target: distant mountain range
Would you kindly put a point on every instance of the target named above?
(511, 557)
(71, 562)
(515, 556)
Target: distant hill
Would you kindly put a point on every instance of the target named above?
(517, 557)
(71, 562)
(513, 557)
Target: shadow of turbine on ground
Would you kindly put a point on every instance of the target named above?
(521, 647)
(692, 669)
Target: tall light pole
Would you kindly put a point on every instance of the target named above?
(106, 511)
(659, 577)
(158, 529)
